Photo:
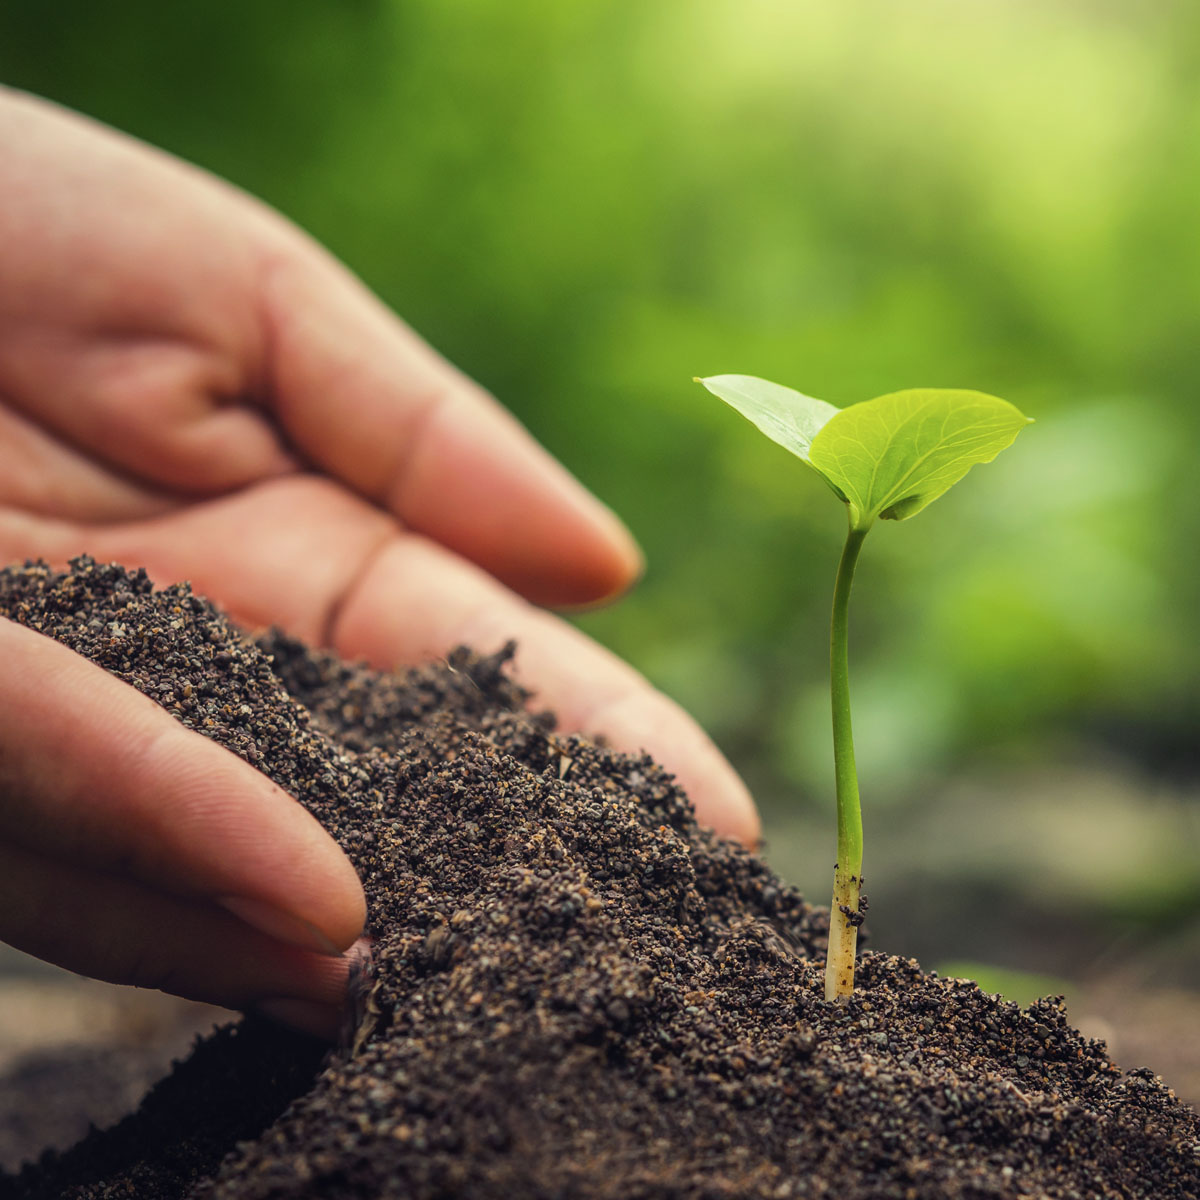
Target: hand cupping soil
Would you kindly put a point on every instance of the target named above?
(576, 991)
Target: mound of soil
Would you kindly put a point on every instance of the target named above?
(576, 990)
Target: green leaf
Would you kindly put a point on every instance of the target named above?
(886, 458)
(785, 416)
(891, 456)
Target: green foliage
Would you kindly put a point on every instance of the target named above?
(886, 458)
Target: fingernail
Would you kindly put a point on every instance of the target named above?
(621, 538)
(274, 922)
(627, 557)
(306, 1016)
(626, 562)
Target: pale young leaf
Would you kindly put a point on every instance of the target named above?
(785, 416)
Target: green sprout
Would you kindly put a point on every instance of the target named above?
(885, 459)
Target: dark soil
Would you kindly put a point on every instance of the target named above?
(578, 992)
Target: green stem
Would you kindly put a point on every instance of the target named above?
(847, 880)
(849, 813)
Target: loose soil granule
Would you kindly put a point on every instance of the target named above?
(576, 990)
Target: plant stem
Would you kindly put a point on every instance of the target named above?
(844, 916)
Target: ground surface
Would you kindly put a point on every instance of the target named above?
(76, 1052)
(577, 991)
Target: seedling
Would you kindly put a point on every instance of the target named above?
(885, 459)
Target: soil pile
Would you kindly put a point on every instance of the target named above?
(577, 991)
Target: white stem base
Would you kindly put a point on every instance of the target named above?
(843, 936)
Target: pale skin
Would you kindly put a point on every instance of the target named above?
(190, 384)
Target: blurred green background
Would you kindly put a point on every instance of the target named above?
(586, 204)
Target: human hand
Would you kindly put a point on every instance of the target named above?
(188, 383)
(137, 851)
